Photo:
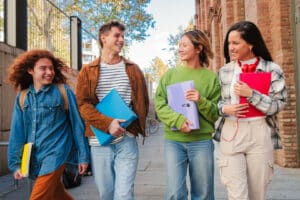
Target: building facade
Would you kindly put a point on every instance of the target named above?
(279, 23)
(90, 51)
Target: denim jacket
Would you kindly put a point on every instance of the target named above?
(55, 133)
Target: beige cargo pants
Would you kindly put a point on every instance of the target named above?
(246, 158)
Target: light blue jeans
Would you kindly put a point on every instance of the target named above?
(114, 169)
(197, 157)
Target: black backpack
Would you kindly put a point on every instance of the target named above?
(71, 177)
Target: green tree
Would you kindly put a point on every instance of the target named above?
(1, 15)
(156, 70)
(48, 28)
(94, 13)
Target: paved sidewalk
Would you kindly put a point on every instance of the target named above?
(150, 180)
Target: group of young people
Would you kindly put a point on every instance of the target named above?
(245, 156)
(62, 134)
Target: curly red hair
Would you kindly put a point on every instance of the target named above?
(18, 75)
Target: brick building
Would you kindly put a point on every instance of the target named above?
(279, 23)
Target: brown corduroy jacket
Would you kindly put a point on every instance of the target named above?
(87, 99)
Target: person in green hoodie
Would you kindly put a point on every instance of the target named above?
(187, 149)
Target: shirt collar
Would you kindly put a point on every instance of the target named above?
(260, 66)
(45, 88)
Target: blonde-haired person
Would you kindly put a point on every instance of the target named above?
(43, 120)
(188, 149)
(246, 158)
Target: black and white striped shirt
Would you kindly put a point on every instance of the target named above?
(112, 76)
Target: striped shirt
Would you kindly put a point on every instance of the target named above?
(269, 104)
(112, 76)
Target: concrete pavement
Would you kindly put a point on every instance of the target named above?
(150, 180)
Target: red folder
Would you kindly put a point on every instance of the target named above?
(257, 81)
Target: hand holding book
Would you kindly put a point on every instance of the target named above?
(112, 105)
(237, 110)
(18, 175)
(178, 101)
(256, 81)
(115, 129)
(242, 89)
(193, 95)
(186, 126)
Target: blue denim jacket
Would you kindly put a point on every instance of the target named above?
(56, 134)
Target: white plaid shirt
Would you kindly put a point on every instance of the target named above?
(269, 104)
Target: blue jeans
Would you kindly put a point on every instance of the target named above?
(197, 157)
(114, 169)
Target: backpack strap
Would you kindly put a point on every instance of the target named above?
(23, 94)
(62, 91)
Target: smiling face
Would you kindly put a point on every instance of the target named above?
(42, 73)
(113, 40)
(187, 51)
(238, 48)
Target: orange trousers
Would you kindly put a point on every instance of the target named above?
(50, 187)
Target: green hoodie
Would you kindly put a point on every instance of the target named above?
(207, 83)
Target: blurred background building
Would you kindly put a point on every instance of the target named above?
(279, 22)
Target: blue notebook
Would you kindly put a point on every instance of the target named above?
(112, 105)
(178, 102)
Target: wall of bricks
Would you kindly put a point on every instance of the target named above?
(274, 18)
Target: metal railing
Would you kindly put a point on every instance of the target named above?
(49, 28)
(32, 24)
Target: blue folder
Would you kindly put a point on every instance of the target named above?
(112, 105)
(178, 102)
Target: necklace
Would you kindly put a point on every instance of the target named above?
(248, 68)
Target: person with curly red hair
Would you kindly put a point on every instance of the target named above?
(41, 118)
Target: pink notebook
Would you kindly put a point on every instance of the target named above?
(257, 81)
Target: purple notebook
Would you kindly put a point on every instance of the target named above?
(178, 102)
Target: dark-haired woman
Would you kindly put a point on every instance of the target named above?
(188, 149)
(246, 159)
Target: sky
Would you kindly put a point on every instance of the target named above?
(169, 16)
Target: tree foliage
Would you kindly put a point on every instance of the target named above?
(156, 69)
(1, 15)
(48, 28)
(94, 13)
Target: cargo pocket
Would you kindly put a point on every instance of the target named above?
(223, 168)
